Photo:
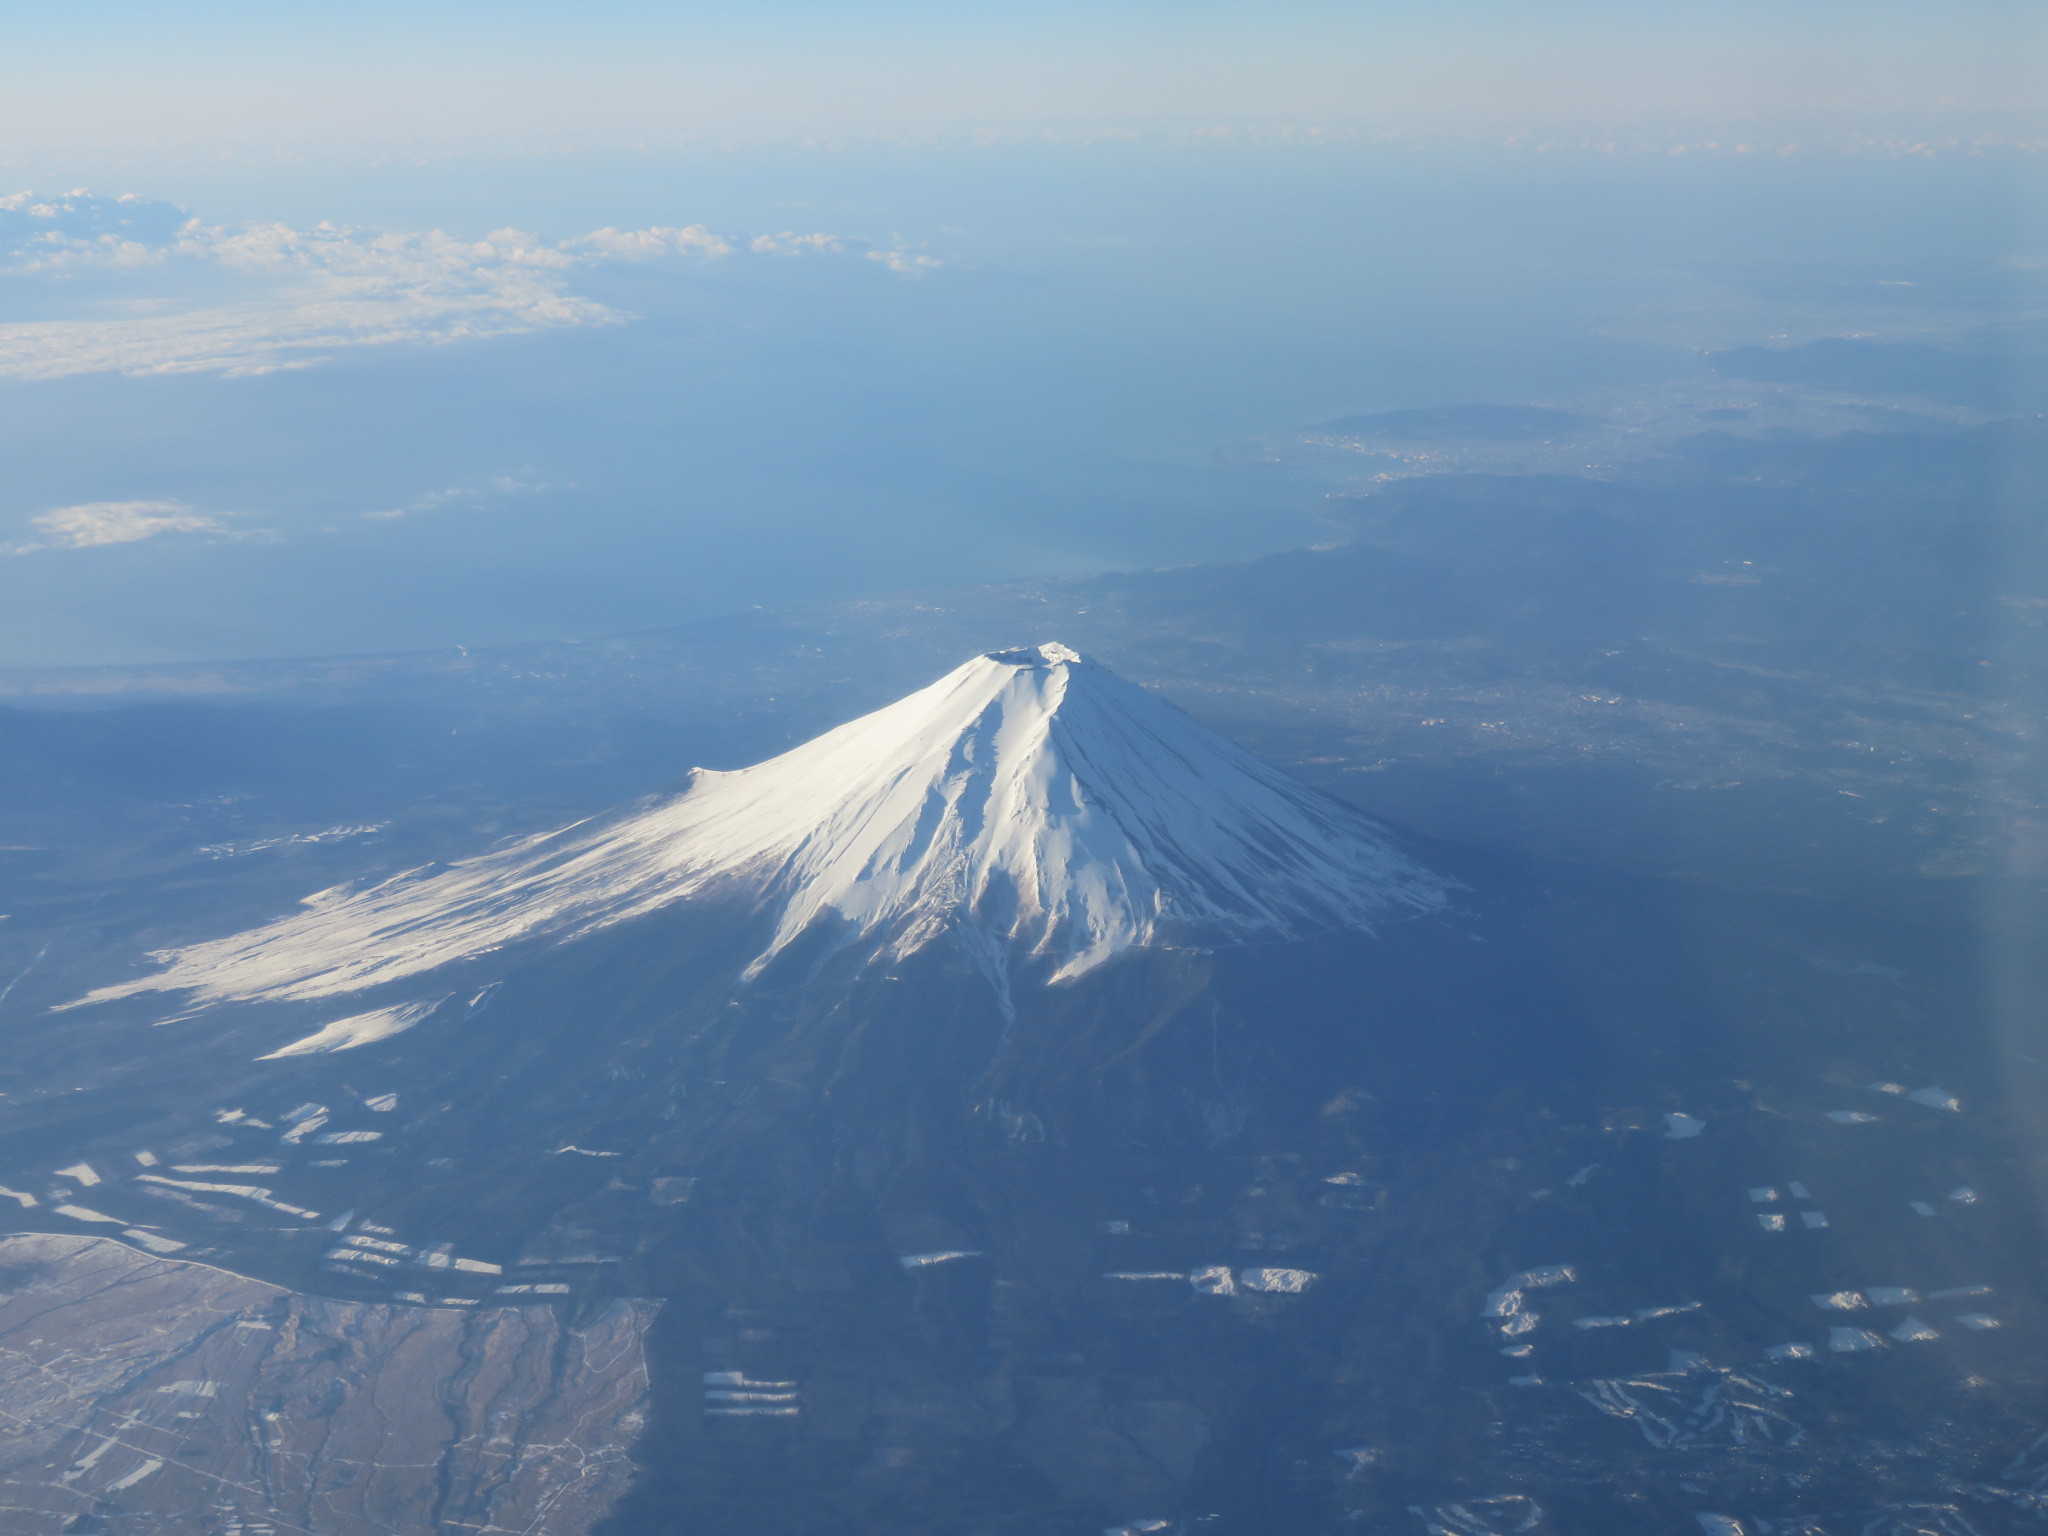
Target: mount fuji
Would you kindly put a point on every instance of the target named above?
(1021, 1111)
(1031, 805)
(842, 1060)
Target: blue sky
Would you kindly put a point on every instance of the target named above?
(302, 75)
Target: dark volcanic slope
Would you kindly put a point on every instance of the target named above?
(156, 1397)
(1231, 1241)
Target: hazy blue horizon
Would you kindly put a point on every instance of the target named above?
(1005, 360)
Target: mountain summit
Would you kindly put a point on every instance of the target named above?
(1031, 802)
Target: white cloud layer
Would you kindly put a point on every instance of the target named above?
(301, 295)
(94, 523)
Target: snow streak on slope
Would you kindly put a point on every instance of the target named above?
(1028, 800)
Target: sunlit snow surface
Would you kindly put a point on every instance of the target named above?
(1029, 800)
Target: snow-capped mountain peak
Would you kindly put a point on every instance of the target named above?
(1031, 802)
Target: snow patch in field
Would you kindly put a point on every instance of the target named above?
(81, 1213)
(944, 1256)
(357, 1029)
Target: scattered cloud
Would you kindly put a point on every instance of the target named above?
(94, 523)
(898, 257)
(470, 496)
(302, 295)
(661, 240)
(305, 294)
(905, 259)
(79, 215)
(790, 243)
